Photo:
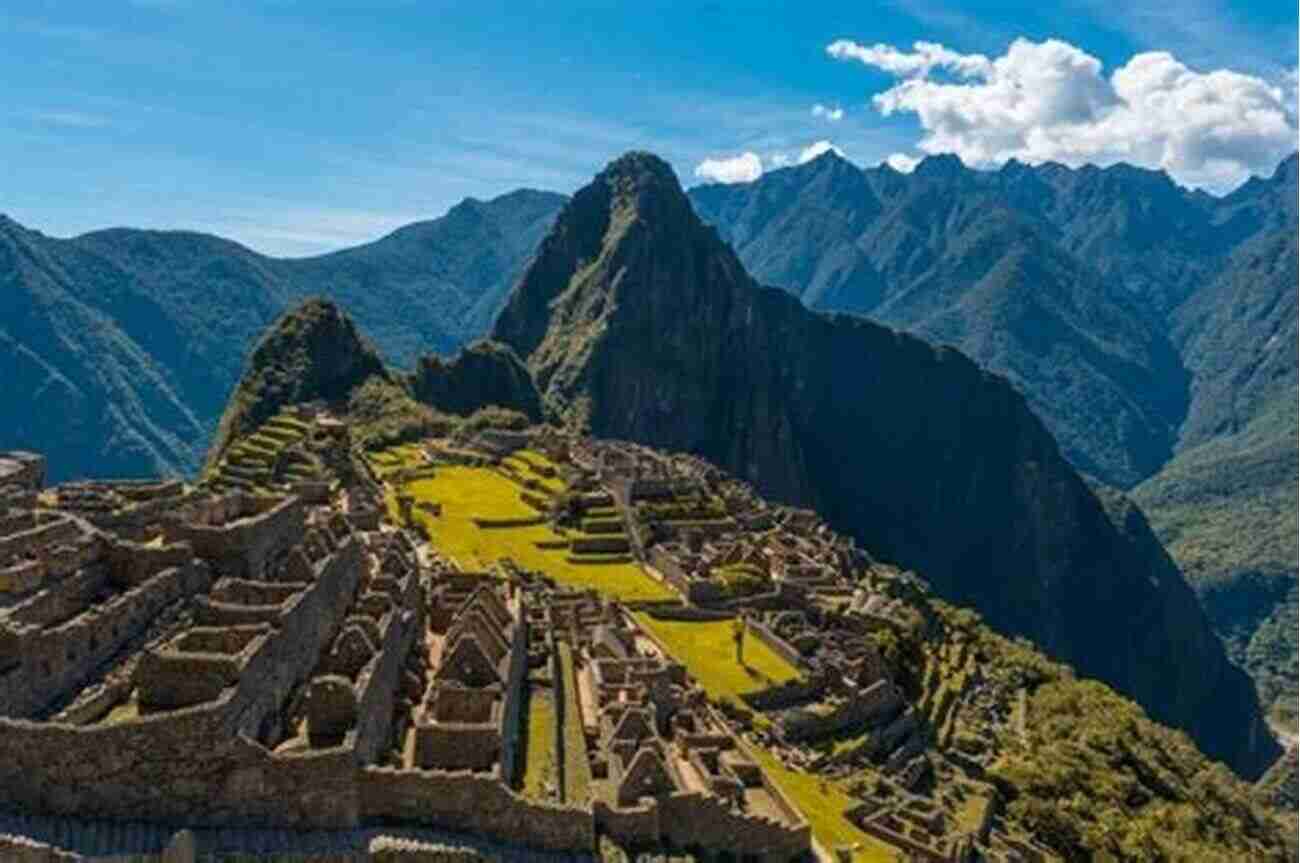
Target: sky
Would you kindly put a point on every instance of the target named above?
(303, 127)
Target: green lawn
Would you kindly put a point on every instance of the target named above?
(823, 802)
(707, 649)
(577, 767)
(469, 492)
(540, 770)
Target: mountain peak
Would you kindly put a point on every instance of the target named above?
(312, 352)
(941, 166)
(640, 182)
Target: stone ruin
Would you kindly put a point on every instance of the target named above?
(272, 661)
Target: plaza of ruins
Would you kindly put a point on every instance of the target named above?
(317, 644)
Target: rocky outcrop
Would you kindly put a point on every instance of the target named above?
(314, 352)
(485, 373)
(639, 322)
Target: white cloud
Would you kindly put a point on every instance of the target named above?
(815, 149)
(833, 115)
(902, 162)
(925, 57)
(1049, 101)
(742, 168)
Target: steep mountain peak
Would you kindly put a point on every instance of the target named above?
(630, 227)
(641, 183)
(943, 166)
(313, 352)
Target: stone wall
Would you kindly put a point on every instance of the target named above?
(473, 803)
(872, 705)
(43, 661)
(200, 764)
(245, 537)
(778, 645)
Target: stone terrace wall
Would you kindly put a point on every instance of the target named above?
(46, 662)
(192, 764)
(243, 546)
(475, 803)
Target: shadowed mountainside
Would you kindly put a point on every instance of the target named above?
(639, 322)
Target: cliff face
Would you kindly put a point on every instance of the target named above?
(484, 373)
(638, 321)
(313, 352)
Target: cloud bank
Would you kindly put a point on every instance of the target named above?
(1050, 101)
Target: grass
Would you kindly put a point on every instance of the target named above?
(469, 492)
(707, 649)
(527, 462)
(823, 802)
(577, 768)
(540, 771)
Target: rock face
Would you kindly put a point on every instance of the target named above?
(313, 352)
(640, 322)
(484, 373)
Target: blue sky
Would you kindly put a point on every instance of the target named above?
(299, 127)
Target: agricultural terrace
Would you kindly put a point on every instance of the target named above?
(708, 651)
(473, 497)
(389, 461)
(822, 801)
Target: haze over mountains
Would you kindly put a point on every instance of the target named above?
(1151, 329)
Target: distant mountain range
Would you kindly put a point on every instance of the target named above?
(1152, 329)
(121, 347)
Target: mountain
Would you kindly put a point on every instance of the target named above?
(639, 322)
(483, 374)
(1225, 505)
(312, 353)
(973, 259)
(1151, 328)
(125, 345)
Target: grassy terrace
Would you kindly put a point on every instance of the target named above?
(540, 771)
(708, 652)
(823, 802)
(247, 463)
(467, 493)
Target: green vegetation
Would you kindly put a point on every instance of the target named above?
(823, 802)
(741, 579)
(1096, 779)
(1226, 510)
(467, 493)
(382, 413)
(313, 352)
(708, 650)
(577, 768)
(540, 770)
(248, 462)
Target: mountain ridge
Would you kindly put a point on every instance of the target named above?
(640, 323)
